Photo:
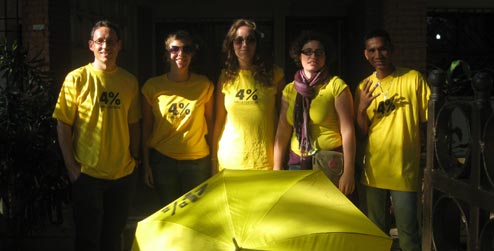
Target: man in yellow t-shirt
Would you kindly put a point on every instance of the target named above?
(391, 106)
(98, 113)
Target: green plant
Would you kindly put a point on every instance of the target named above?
(458, 78)
(33, 186)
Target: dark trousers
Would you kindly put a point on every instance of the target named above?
(173, 178)
(100, 211)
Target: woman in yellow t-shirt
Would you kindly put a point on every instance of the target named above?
(316, 112)
(177, 121)
(246, 99)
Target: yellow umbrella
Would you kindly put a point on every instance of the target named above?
(261, 210)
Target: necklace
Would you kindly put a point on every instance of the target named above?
(384, 93)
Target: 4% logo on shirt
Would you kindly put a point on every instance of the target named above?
(247, 95)
(110, 99)
(386, 106)
(179, 109)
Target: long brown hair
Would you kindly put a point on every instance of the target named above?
(262, 68)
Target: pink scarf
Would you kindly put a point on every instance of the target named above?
(306, 91)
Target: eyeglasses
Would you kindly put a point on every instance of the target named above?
(240, 40)
(309, 52)
(108, 42)
(185, 49)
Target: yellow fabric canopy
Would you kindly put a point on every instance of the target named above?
(261, 210)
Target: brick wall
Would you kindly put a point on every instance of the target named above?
(406, 23)
(35, 30)
(404, 20)
(46, 32)
(61, 43)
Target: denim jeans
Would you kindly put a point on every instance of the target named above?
(405, 211)
(173, 178)
(294, 167)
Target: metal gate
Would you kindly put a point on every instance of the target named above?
(459, 175)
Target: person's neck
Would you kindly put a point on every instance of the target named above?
(178, 75)
(382, 73)
(104, 66)
(244, 65)
(311, 74)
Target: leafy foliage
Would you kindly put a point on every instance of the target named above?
(33, 186)
(458, 78)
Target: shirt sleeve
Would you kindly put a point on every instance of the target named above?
(67, 103)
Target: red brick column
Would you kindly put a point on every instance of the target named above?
(46, 33)
(406, 23)
(35, 32)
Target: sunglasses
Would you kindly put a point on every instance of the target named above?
(309, 52)
(185, 49)
(240, 40)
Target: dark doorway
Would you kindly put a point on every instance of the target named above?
(465, 35)
(330, 26)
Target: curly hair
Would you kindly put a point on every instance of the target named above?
(305, 37)
(262, 68)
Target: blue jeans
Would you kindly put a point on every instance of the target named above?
(294, 167)
(405, 211)
(173, 178)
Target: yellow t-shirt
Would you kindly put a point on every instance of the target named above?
(324, 126)
(247, 140)
(100, 105)
(179, 123)
(392, 155)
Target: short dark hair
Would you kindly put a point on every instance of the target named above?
(378, 33)
(105, 23)
(306, 36)
(183, 36)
